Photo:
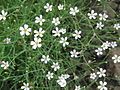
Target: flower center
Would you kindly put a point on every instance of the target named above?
(25, 30)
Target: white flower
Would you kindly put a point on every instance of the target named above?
(7, 40)
(56, 21)
(101, 72)
(99, 51)
(99, 0)
(39, 33)
(64, 41)
(56, 32)
(93, 76)
(3, 15)
(102, 86)
(92, 15)
(103, 16)
(61, 81)
(45, 59)
(60, 7)
(4, 64)
(77, 87)
(36, 43)
(25, 30)
(113, 44)
(55, 66)
(99, 25)
(49, 75)
(74, 10)
(48, 7)
(65, 76)
(116, 58)
(63, 31)
(26, 86)
(74, 53)
(105, 45)
(39, 20)
(117, 26)
(77, 34)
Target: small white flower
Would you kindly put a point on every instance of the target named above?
(62, 82)
(48, 7)
(56, 32)
(25, 30)
(101, 72)
(103, 16)
(7, 40)
(74, 53)
(105, 45)
(65, 76)
(60, 7)
(3, 15)
(93, 76)
(102, 86)
(77, 87)
(49, 75)
(99, 0)
(116, 58)
(117, 26)
(63, 31)
(92, 15)
(99, 51)
(77, 34)
(39, 33)
(113, 44)
(36, 43)
(55, 66)
(26, 86)
(74, 10)
(64, 41)
(56, 21)
(4, 64)
(45, 59)
(99, 25)
(39, 20)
